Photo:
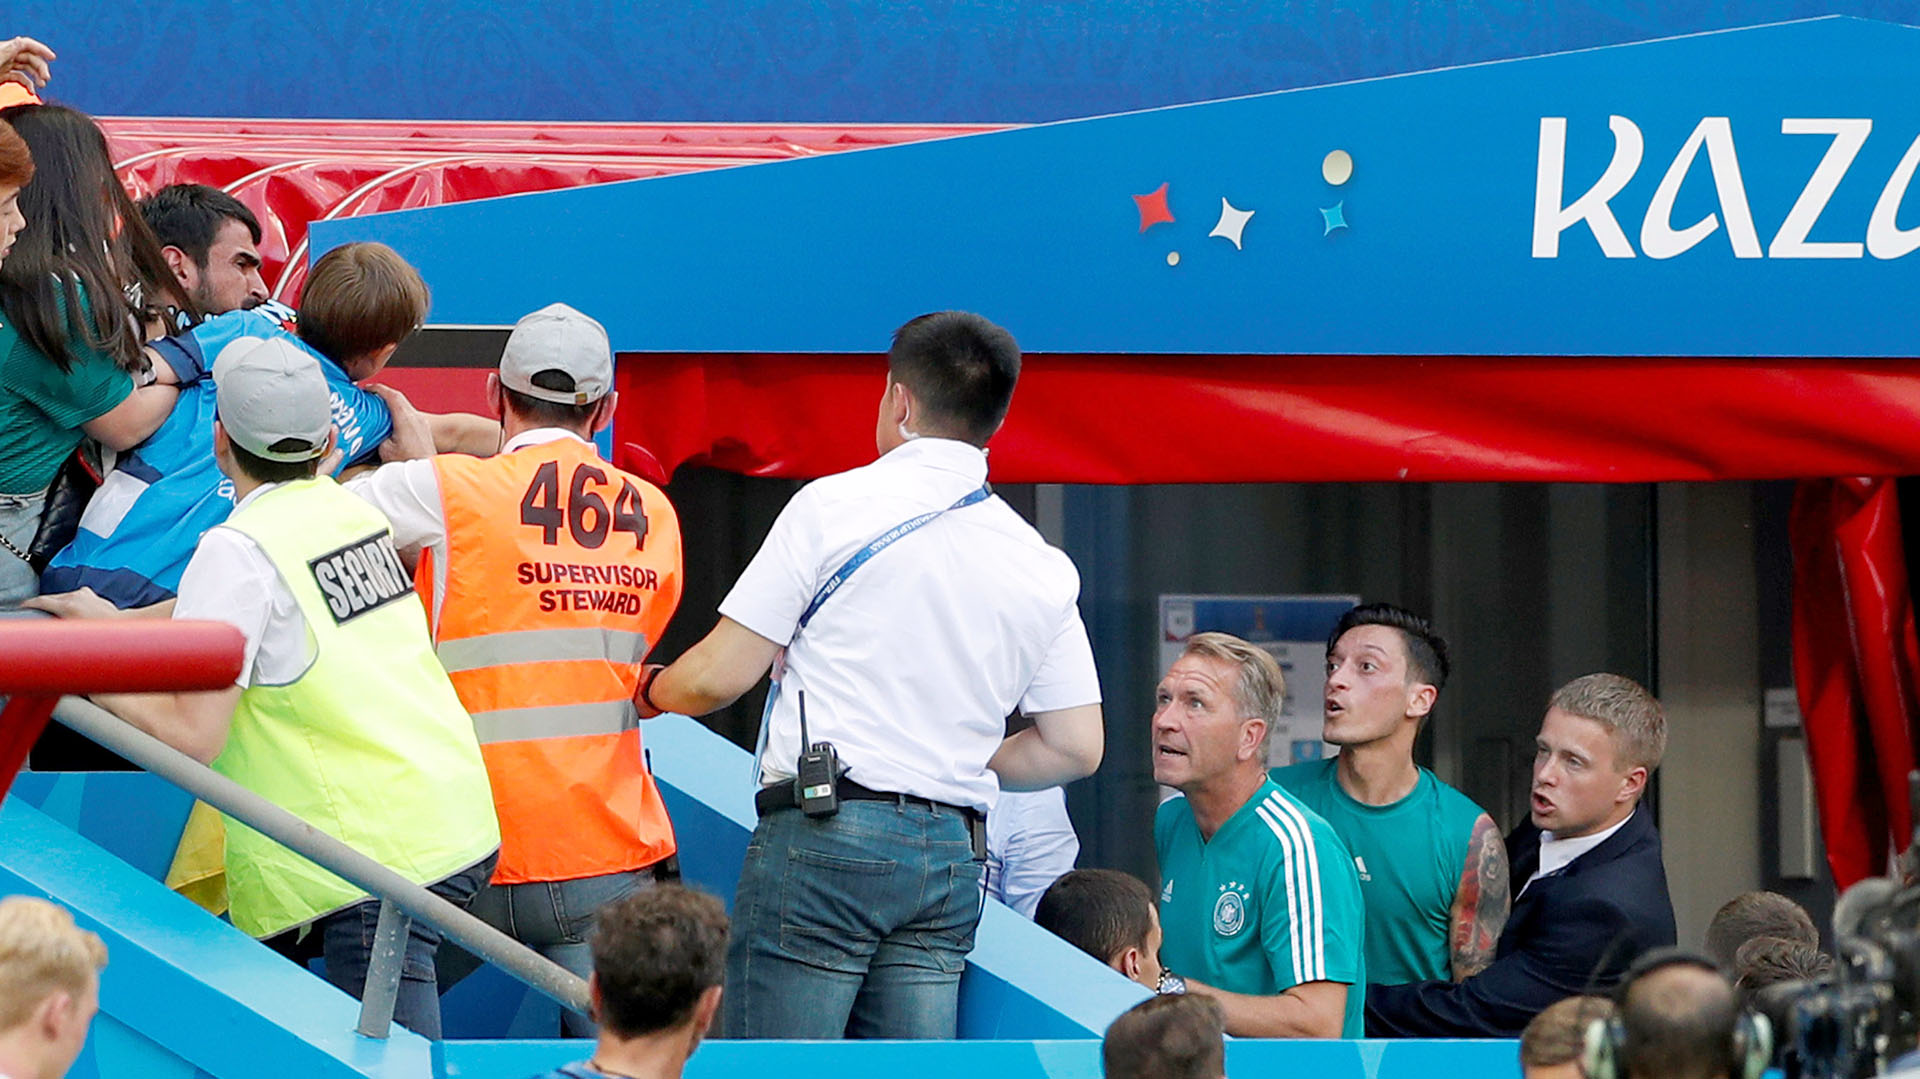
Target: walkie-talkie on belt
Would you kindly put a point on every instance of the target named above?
(816, 786)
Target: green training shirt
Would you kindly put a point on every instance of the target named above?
(1409, 856)
(1270, 902)
(42, 407)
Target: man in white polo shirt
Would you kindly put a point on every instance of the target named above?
(916, 612)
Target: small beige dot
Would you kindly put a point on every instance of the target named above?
(1173, 258)
(1337, 169)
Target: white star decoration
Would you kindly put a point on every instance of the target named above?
(1232, 222)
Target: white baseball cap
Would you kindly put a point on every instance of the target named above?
(273, 400)
(567, 346)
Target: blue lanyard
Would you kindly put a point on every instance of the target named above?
(887, 539)
(846, 570)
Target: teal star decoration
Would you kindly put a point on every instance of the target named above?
(1336, 216)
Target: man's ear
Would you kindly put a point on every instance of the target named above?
(182, 265)
(603, 410)
(1128, 962)
(370, 364)
(1420, 701)
(1253, 735)
(704, 1009)
(54, 1014)
(1632, 784)
(904, 406)
(593, 997)
(497, 398)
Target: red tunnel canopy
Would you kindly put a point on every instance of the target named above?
(1093, 419)
(291, 172)
(1214, 419)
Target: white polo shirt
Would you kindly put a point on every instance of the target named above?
(912, 667)
(230, 579)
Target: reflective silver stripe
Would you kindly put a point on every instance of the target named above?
(555, 721)
(541, 646)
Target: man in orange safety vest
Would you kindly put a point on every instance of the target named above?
(548, 575)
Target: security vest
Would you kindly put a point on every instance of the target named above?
(369, 744)
(561, 573)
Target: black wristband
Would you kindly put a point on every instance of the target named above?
(646, 685)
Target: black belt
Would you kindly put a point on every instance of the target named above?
(780, 796)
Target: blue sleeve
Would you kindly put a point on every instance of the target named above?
(183, 353)
(362, 419)
(192, 354)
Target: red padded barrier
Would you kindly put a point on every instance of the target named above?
(42, 660)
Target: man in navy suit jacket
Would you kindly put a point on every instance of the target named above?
(1591, 891)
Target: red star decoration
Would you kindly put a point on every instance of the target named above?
(1153, 208)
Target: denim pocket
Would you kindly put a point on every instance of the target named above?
(831, 907)
(949, 936)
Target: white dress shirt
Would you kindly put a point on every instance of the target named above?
(912, 667)
(1030, 844)
(1557, 854)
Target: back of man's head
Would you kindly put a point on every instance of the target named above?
(656, 954)
(556, 369)
(961, 370)
(49, 979)
(1102, 912)
(1554, 1041)
(360, 298)
(1757, 914)
(189, 216)
(1764, 962)
(272, 402)
(1678, 1022)
(1167, 1037)
(1427, 659)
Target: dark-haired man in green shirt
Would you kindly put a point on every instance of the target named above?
(1432, 867)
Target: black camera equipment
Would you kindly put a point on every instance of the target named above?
(1863, 1020)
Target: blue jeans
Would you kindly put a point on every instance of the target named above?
(19, 522)
(346, 941)
(554, 919)
(856, 925)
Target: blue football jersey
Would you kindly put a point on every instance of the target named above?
(142, 525)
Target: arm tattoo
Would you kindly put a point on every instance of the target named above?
(1480, 905)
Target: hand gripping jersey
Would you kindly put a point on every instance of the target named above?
(143, 523)
(561, 573)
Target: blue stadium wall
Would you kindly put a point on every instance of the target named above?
(781, 60)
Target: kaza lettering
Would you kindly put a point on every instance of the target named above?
(1659, 239)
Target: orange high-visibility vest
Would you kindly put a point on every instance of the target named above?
(561, 573)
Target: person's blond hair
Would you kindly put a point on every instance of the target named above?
(41, 953)
(1625, 708)
(1261, 690)
(1558, 1034)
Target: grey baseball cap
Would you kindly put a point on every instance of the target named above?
(273, 400)
(560, 340)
